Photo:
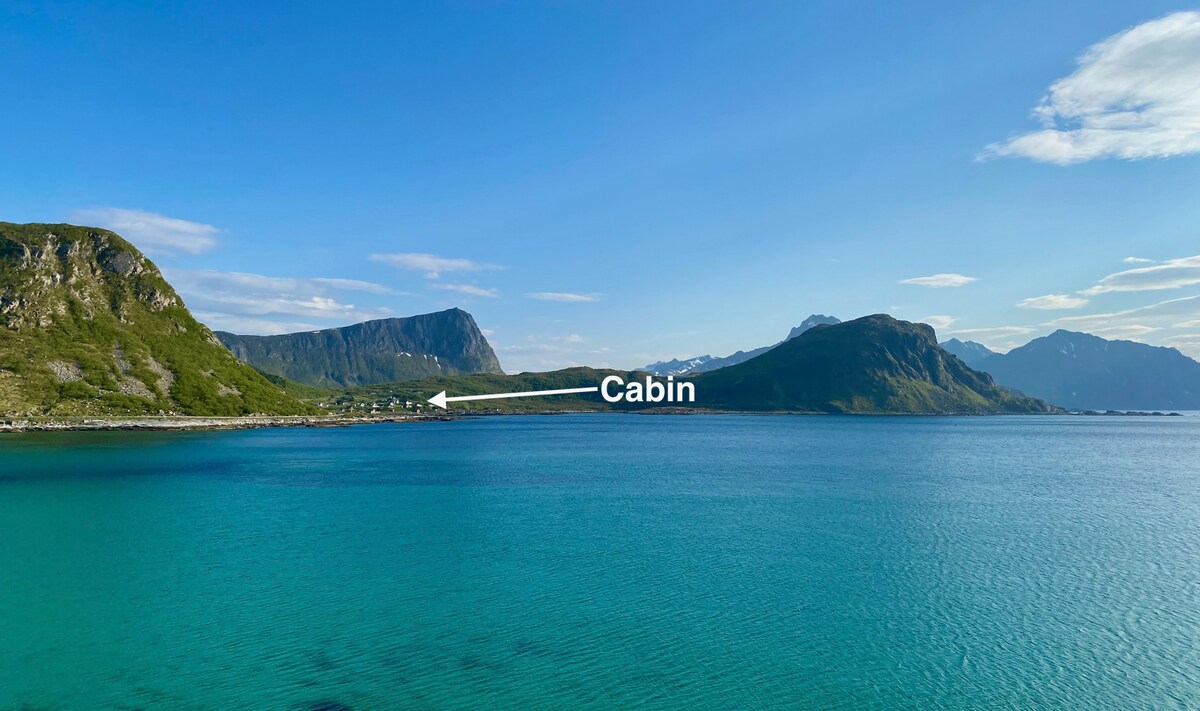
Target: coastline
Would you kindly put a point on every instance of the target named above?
(183, 423)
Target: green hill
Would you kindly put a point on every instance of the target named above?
(875, 364)
(88, 326)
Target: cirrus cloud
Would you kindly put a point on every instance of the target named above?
(150, 231)
(939, 322)
(1134, 95)
(563, 296)
(431, 264)
(1171, 274)
(1052, 302)
(940, 281)
(468, 289)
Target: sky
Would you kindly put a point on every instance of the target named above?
(616, 183)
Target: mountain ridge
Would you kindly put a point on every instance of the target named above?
(1086, 372)
(708, 363)
(385, 350)
(873, 364)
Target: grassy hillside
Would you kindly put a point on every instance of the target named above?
(88, 326)
(874, 364)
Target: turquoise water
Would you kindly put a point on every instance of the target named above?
(602, 561)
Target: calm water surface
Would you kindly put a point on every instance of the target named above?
(601, 561)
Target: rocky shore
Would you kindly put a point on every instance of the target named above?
(200, 423)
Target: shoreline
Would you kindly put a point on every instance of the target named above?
(199, 423)
(183, 423)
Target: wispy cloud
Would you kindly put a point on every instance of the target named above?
(468, 289)
(1053, 302)
(1134, 95)
(997, 338)
(359, 285)
(150, 231)
(1160, 313)
(1171, 274)
(939, 281)
(239, 300)
(1137, 260)
(564, 296)
(433, 265)
(993, 332)
(1131, 331)
(939, 322)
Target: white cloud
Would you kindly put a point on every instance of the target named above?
(1051, 302)
(232, 300)
(1159, 313)
(359, 285)
(1188, 343)
(235, 323)
(939, 322)
(995, 332)
(1171, 274)
(1134, 95)
(938, 281)
(1137, 260)
(468, 289)
(431, 264)
(1131, 331)
(998, 338)
(564, 296)
(149, 231)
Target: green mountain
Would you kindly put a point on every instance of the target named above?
(88, 326)
(874, 364)
(383, 351)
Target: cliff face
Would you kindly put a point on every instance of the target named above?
(88, 326)
(383, 351)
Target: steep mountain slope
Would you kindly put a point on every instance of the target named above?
(383, 351)
(707, 363)
(874, 364)
(969, 352)
(1086, 372)
(88, 326)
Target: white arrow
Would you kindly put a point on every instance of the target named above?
(440, 399)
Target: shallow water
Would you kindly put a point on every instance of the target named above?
(606, 561)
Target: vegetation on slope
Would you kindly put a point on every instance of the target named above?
(88, 326)
(875, 364)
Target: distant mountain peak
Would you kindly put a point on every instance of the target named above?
(708, 363)
(812, 321)
(970, 352)
(1085, 371)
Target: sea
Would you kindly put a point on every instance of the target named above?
(603, 561)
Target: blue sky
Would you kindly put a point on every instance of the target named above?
(618, 183)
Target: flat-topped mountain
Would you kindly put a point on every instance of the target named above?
(969, 352)
(874, 364)
(88, 326)
(1086, 372)
(382, 351)
(707, 363)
